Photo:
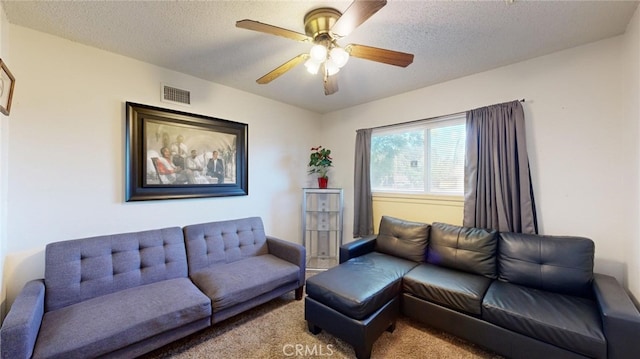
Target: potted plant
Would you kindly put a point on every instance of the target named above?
(319, 162)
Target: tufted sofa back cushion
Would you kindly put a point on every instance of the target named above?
(556, 264)
(472, 250)
(402, 238)
(217, 243)
(82, 269)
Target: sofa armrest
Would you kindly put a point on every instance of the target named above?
(357, 248)
(22, 324)
(620, 317)
(290, 252)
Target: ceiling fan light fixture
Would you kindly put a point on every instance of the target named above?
(312, 66)
(331, 67)
(339, 56)
(318, 53)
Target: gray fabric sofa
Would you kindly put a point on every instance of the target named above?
(120, 296)
(238, 267)
(522, 296)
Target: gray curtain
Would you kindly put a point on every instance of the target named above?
(362, 202)
(498, 192)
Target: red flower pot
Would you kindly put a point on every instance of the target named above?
(323, 182)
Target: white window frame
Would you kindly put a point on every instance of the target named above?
(444, 121)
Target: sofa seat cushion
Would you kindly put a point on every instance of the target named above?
(360, 286)
(451, 288)
(240, 281)
(103, 324)
(569, 322)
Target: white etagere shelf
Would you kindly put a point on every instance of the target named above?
(322, 212)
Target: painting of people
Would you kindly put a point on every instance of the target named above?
(173, 154)
(182, 154)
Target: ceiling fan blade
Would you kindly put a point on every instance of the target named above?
(275, 73)
(357, 13)
(390, 57)
(330, 84)
(272, 30)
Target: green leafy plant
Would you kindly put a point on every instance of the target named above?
(320, 161)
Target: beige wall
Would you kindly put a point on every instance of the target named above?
(582, 142)
(418, 208)
(632, 83)
(62, 151)
(66, 151)
(4, 125)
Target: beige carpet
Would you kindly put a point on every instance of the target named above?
(278, 330)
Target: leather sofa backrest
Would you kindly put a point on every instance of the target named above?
(82, 269)
(551, 263)
(402, 238)
(218, 243)
(471, 250)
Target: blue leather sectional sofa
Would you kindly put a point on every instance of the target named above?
(519, 295)
(120, 296)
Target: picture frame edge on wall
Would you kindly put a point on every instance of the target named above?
(6, 99)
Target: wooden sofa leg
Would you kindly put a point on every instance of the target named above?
(299, 292)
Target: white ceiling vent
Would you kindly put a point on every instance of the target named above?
(174, 95)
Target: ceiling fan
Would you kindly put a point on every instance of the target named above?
(324, 27)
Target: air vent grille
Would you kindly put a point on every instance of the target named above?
(176, 95)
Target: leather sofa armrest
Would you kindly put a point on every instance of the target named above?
(290, 252)
(620, 317)
(357, 248)
(22, 324)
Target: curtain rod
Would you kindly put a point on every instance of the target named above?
(422, 120)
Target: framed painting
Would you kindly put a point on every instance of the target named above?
(172, 154)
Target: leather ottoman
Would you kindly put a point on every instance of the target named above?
(357, 300)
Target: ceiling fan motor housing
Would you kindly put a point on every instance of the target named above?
(318, 23)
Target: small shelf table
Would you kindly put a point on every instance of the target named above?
(322, 212)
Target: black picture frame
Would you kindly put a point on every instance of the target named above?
(159, 159)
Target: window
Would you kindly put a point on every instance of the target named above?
(425, 157)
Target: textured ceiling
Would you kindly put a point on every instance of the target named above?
(449, 39)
